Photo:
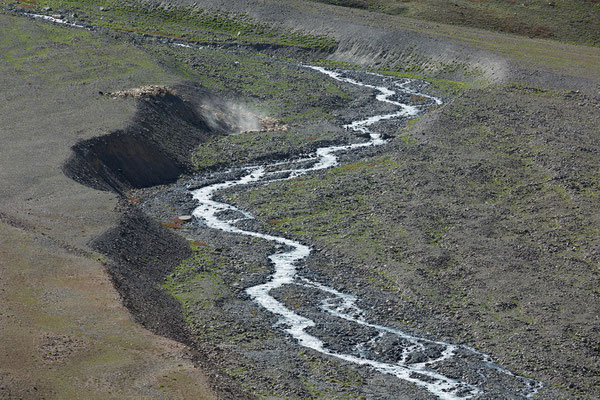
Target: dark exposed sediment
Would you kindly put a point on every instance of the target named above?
(154, 149)
(141, 253)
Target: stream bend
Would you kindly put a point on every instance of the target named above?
(428, 353)
(420, 360)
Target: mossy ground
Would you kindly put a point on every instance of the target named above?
(568, 20)
(65, 334)
(484, 185)
(255, 147)
(207, 286)
(62, 56)
(186, 24)
(268, 86)
(64, 331)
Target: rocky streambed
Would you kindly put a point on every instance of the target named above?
(328, 308)
(474, 226)
(261, 300)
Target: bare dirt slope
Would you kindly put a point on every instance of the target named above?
(63, 329)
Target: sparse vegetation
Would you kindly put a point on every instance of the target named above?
(182, 23)
(573, 21)
(483, 215)
(481, 177)
(29, 56)
(247, 148)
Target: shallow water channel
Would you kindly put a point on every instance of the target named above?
(418, 359)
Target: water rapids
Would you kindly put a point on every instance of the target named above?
(291, 254)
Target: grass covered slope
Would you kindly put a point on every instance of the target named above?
(574, 21)
(485, 211)
(62, 56)
(63, 329)
(184, 23)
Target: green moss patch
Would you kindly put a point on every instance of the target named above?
(486, 210)
(572, 21)
(184, 23)
(62, 55)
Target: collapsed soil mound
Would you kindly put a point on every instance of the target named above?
(142, 252)
(154, 149)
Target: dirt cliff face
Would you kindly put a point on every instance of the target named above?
(153, 150)
(64, 330)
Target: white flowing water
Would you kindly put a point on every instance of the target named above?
(341, 305)
(56, 20)
(286, 261)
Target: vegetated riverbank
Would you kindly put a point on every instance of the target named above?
(222, 277)
(521, 111)
(477, 217)
(361, 226)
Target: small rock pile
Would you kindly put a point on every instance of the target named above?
(269, 124)
(142, 92)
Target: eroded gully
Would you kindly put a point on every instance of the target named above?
(422, 370)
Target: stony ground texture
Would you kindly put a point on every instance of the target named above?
(484, 211)
(477, 223)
